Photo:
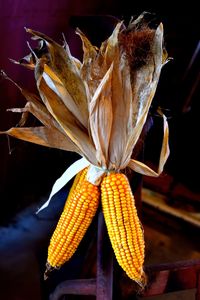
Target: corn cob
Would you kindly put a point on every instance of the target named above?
(76, 217)
(123, 225)
(77, 183)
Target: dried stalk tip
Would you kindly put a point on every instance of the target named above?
(3, 74)
(48, 270)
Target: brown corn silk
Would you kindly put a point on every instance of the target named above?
(97, 108)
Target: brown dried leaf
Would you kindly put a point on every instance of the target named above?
(42, 114)
(57, 86)
(111, 45)
(101, 118)
(96, 62)
(165, 144)
(36, 107)
(89, 56)
(144, 85)
(76, 61)
(44, 136)
(29, 66)
(62, 64)
(122, 111)
(24, 116)
(71, 126)
(141, 168)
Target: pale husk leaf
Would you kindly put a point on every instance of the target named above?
(122, 111)
(95, 67)
(165, 144)
(76, 61)
(143, 87)
(47, 120)
(43, 136)
(101, 116)
(71, 126)
(35, 106)
(110, 46)
(57, 86)
(141, 168)
(89, 57)
(63, 65)
(95, 174)
(28, 65)
(38, 109)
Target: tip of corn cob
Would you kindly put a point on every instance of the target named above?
(48, 270)
(143, 281)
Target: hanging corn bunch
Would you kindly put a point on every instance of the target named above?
(97, 108)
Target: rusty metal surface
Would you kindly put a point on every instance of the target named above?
(74, 287)
(178, 276)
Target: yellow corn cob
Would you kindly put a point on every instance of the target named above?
(77, 183)
(123, 225)
(76, 217)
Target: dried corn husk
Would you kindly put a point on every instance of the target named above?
(96, 108)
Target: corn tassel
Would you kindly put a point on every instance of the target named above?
(123, 225)
(76, 217)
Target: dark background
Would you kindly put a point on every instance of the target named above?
(27, 171)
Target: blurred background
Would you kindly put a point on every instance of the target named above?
(27, 171)
(25, 167)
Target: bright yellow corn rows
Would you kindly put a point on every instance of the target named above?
(121, 218)
(77, 215)
(123, 225)
(80, 177)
